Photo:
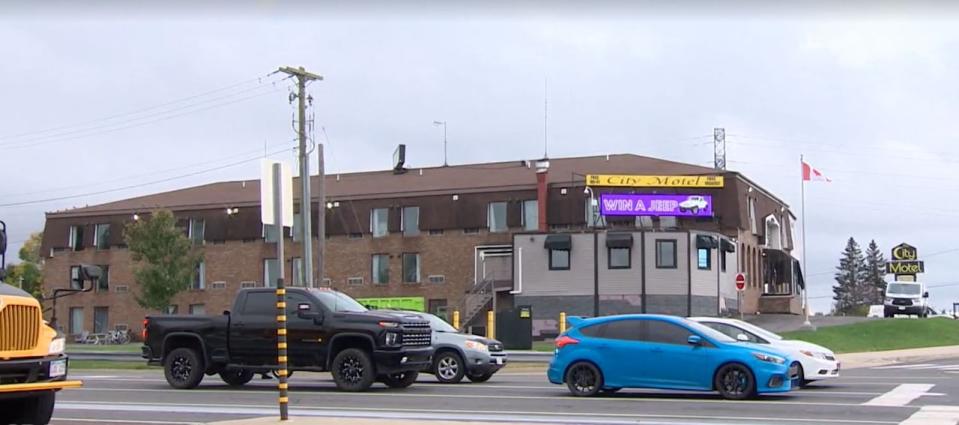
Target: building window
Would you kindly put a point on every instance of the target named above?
(436, 232)
(101, 236)
(197, 230)
(173, 309)
(381, 269)
(665, 254)
(270, 234)
(271, 272)
(76, 320)
(356, 236)
(437, 278)
(410, 221)
(75, 282)
(704, 258)
(354, 281)
(327, 282)
(559, 259)
(411, 268)
(103, 283)
(101, 318)
(496, 217)
(247, 284)
(752, 214)
(76, 238)
(379, 222)
(530, 215)
(471, 231)
(197, 309)
(199, 276)
(620, 258)
(438, 307)
(296, 264)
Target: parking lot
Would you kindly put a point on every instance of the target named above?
(910, 394)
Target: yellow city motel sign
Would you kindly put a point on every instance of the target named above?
(905, 267)
(620, 180)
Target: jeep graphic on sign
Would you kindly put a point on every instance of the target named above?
(694, 204)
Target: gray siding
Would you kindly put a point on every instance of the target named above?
(620, 281)
(538, 279)
(667, 281)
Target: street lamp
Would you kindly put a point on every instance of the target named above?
(437, 124)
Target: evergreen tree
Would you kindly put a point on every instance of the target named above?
(849, 291)
(875, 279)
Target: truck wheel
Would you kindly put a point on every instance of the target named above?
(449, 368)
(353, 370)
(236, 377)
(480, 378)
(183, 368)
(400, 380)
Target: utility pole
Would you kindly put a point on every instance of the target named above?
(321, 213)
(306, 200)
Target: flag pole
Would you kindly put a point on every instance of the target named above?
(802, 177)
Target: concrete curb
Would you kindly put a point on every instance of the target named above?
(883, 358)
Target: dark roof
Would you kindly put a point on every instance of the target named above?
(512, 175)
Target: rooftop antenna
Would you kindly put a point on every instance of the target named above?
(545, 117)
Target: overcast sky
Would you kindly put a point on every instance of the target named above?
(870, 99)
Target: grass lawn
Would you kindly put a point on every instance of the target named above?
(106, 364)
(544, 346)
(883, 334)
(133, 347)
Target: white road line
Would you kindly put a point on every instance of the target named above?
(901, 395)
(934, 415)
(436, 414)
(769, 401)
(122, 421)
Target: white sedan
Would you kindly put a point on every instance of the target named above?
(814, 362)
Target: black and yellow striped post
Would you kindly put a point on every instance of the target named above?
(281, 347)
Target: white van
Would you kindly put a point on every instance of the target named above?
(906, 298)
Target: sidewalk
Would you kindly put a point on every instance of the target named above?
(352, 421)
(882, 358)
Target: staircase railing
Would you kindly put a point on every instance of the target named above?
(475, 301)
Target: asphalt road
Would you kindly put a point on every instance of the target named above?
(908, 394)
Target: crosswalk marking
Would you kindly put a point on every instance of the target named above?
(901, 395)
(934, 415)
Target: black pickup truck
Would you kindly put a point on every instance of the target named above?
(326, 331)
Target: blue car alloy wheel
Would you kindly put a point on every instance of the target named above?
(735, 382)
(584, 379)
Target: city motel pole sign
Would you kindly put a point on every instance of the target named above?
(659, 205)
(905, 264)
(620, 180)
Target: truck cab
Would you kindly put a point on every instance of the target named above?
(33, 366)
(909, 298)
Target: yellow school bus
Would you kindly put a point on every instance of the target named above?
(33, 366)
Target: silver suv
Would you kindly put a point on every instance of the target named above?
(458, 354)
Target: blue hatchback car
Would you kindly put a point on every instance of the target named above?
(609, 353)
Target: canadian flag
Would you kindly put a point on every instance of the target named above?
(812, 174)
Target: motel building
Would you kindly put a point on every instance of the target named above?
(624, 233)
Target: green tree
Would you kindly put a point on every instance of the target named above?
(875, 279)
(28, 273)
(165, 259)
(848, 293)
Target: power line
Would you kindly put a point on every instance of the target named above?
(134, 112)
(138, 185)
(160, 117)
(152, 173)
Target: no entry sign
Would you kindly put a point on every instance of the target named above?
(740, 281)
